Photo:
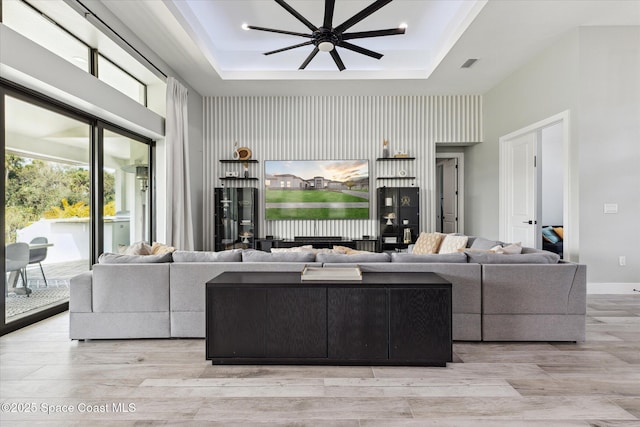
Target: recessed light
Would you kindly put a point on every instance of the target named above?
(403, 25)
(245, 26)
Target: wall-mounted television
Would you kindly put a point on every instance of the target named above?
(316, 189)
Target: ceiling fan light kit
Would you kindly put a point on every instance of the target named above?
(326, 37)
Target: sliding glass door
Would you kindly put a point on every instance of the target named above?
(47, 206)
(126, 191)
(59, 216)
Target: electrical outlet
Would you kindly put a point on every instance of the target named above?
(622, 260)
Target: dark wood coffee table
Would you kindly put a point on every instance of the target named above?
(275, 318)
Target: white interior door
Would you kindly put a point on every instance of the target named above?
(518, 182)
(449, 195)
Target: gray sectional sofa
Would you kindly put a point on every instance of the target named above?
(531, 296)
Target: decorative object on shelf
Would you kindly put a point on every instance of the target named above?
(390, 217)
(246, 169)
(241, 153)
(231, 174)
(400, 154)
(388, 201)
(385, 149)
(406, 238)
(402, 173)
(404, 225)
(235, 216)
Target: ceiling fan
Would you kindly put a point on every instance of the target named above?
(327, 37)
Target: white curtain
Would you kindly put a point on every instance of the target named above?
(179, 220)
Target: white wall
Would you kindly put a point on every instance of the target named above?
(552, 164)
(610, 151)
(330, 128)
(592, 72)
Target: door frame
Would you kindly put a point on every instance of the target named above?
(460, 157)
(569, 209)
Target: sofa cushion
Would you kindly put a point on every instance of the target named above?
(252, 255)
(458, 257)
(427, 243)
(355, 258)
(233, 255)
(304, 248)
(481, 243)
(494, 258)
(111, 258)
(452, 243)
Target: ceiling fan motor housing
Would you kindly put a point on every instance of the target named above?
(325, 39)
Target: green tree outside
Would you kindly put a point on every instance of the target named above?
(35, 187)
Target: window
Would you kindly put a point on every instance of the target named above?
(47, 206)
(59, 28)
(31, 23)
(119, 79)
(125, 191)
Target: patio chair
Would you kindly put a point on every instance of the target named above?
(39, 255)
(16, 261)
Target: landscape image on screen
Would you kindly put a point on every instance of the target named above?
(316, 189)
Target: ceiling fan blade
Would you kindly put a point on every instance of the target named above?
(375, 33)
(361, 50)
(288, 48)
(361, 15)
(337, 60)
(272, 30)
(313, 53)
(297, 15)
(328, 13)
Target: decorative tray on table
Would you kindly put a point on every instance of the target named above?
(328, 273)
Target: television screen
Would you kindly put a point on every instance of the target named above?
(316, 189)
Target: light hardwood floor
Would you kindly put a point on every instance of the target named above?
(147, 382)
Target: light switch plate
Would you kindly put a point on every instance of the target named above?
(611, 208)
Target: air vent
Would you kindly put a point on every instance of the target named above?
(469, 62)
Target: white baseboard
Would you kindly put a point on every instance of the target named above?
(613, 288)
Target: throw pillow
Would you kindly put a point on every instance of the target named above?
(549, 235)
(139, 248)
(347, 250)
(559, 231)
(427, 243)
(161, 248)
(480, 243)
(512, 249)
(452, 243)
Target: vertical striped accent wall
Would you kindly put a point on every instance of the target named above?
(334, 128)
